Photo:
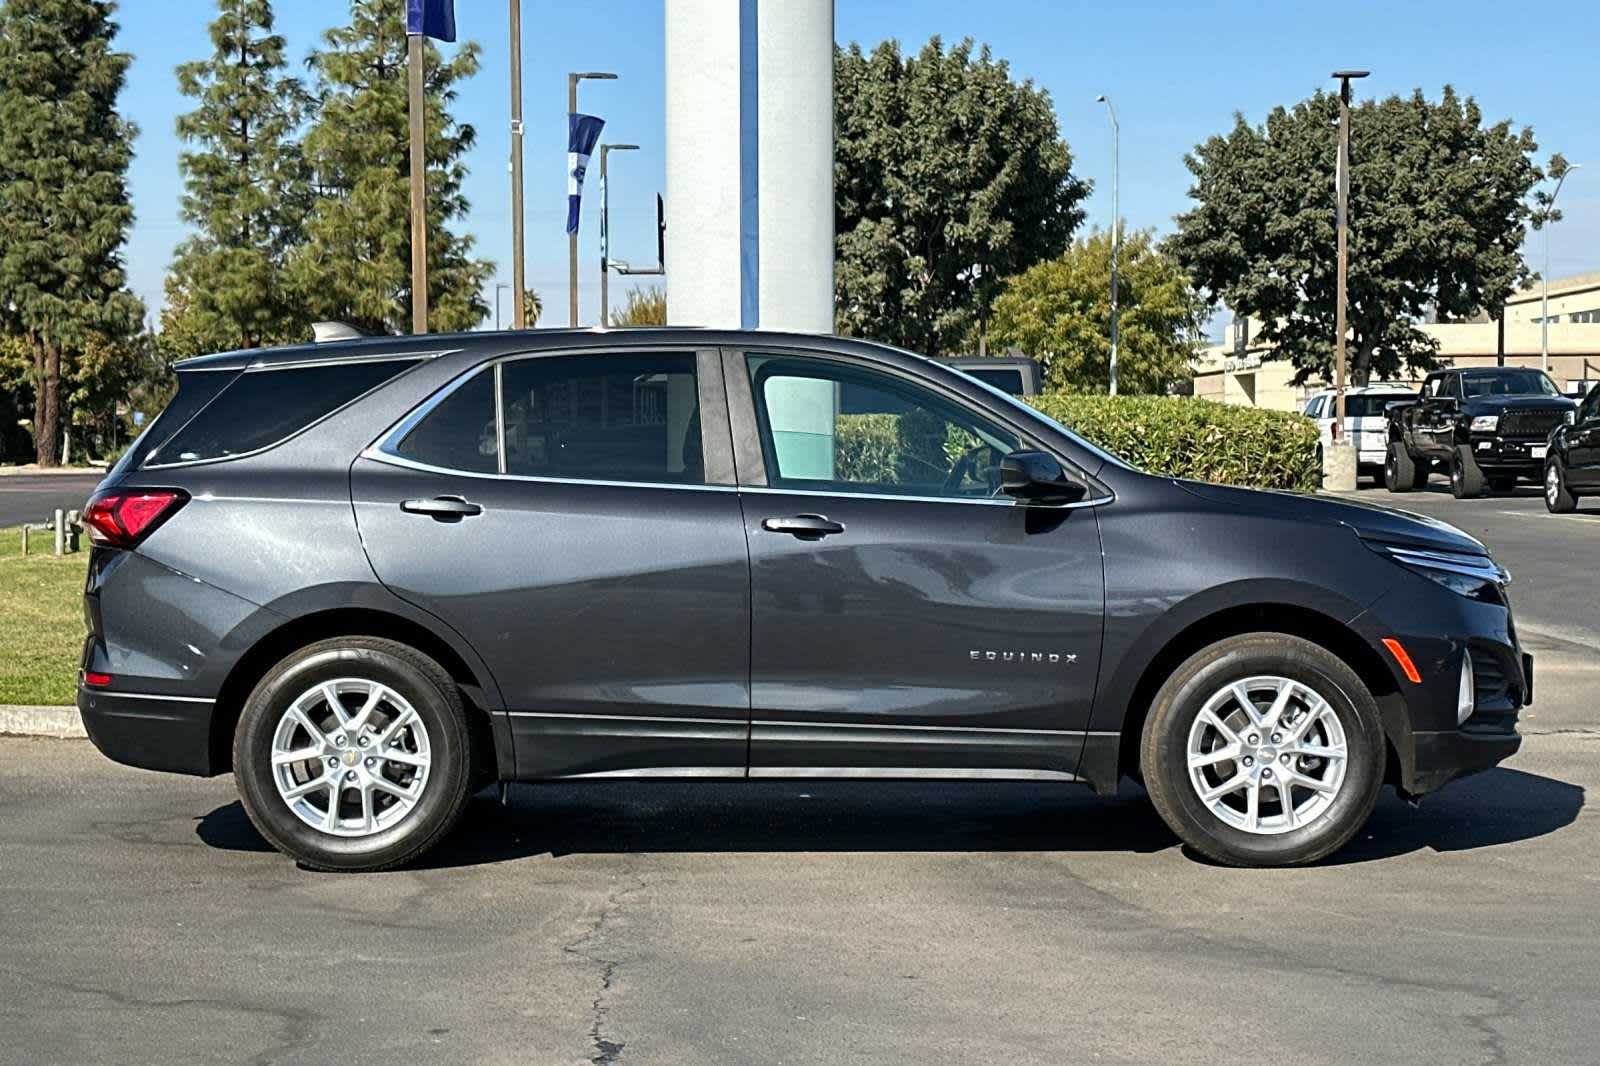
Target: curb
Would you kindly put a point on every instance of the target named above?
(61, 722)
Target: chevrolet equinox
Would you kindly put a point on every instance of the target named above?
(371, 577)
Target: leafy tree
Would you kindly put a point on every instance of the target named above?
(355, 265)
(64, 211)
(1545, 210)
(1060, 311)
(246, 191)
(949, 176)
(1438, 201)
(532, 307)
(644, 307)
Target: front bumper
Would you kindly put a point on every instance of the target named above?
(151, 732)
(1524, 458)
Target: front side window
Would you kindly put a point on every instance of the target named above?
(833, 427)
(1591, 406)
(616, 417)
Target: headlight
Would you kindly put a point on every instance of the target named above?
(1476, 576)
(1485, 423)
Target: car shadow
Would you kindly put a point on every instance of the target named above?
(1500, 806)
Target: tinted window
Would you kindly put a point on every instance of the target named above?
(459, 432)
(263, 407)
(1007, 380)
(1509, 383)
(1591, 405)
(1314, 408)
(604, 418)
(825, 425)
(196, 388)
(1371, 404)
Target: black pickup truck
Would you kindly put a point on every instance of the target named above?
(1488, 426)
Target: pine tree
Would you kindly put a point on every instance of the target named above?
(356, 263)
(64, 210)
(247, 191)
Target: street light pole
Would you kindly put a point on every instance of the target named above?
(498, 289)
(605, 230)
(1544, 300)
(519, 313)
(1343, 182)
(1116, 229)
(572, 238)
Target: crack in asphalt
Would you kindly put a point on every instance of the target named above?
(298, 1026)
(606, 1051)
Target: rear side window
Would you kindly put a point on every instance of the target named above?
(196, 388)
(458, 433)
(262, 407)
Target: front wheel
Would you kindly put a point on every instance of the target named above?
(1263, 750)
(354, 754)
(1558, 496)
(1466, 476)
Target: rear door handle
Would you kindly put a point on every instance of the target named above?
(442, 508)
(804, 526)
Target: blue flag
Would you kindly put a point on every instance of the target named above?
(583, 132)
(431, 18)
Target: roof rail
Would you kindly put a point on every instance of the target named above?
(326, 332)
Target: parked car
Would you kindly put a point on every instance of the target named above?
(1016, 374)
(1485, 426)
(1366, 422)
(1572, 470)
(370, 577)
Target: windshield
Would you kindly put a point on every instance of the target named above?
(1508, 383)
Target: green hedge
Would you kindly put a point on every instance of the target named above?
(1197, 439)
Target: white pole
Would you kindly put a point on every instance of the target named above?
(1116, 231)
(1544, 300)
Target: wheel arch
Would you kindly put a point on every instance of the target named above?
(1292, 619)
(479, 691)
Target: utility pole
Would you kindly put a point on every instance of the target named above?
(1340, 313)
(1116, 229)
(605, 230)
(1544, 300)
(572, 238)
(419, 189)
(519, 312)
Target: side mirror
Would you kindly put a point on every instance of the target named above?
(1037, 477)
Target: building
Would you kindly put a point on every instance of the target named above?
(1237, 372)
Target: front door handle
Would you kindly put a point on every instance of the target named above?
(804, 526)
(442, 508)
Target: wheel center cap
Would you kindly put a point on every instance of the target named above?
(351, 757)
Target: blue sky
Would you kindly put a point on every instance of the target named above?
(1176, 69)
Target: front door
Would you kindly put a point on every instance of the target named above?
(1583, 443)
(906, 617)
(574, 518)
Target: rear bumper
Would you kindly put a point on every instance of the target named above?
(151, 732)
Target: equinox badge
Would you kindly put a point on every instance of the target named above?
(1050, 657)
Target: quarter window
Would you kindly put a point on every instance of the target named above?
(837, 428)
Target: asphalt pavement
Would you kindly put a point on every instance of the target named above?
(28, 498)
(143, 918)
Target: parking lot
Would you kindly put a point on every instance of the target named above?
(142, 916)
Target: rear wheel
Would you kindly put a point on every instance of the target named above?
(1401, 473)
(1263, 750)
(1558, 496)
(354, 754)
(1466, 477)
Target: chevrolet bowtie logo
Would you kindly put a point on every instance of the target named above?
(1047, 657)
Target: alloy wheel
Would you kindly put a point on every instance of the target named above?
(350, 757)
(1552, 485)
(1267, 755)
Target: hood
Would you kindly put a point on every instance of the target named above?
(1488, 404)
(1364, 519)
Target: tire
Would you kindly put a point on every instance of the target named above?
(1503, 484)
(1324, 822)
(1466, 477)
(420, 723)
(1399, 470)
(1558, 496)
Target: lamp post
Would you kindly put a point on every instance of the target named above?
(518, 278)
(498, 289)
(1544, 300)
(1343, 181)
(1116, 227)
(572, 238)
(605, 230)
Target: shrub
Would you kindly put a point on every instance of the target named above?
(1198, 439)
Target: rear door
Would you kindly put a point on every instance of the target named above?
(907, 618)
(574, 517)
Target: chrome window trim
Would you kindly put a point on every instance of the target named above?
(262, 366)
(1097, 501)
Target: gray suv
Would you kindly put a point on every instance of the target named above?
(371, 577)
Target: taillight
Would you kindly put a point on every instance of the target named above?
(123, 519)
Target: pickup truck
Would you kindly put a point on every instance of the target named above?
(1487, 426)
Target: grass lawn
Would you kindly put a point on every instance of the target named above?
(41, 621)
